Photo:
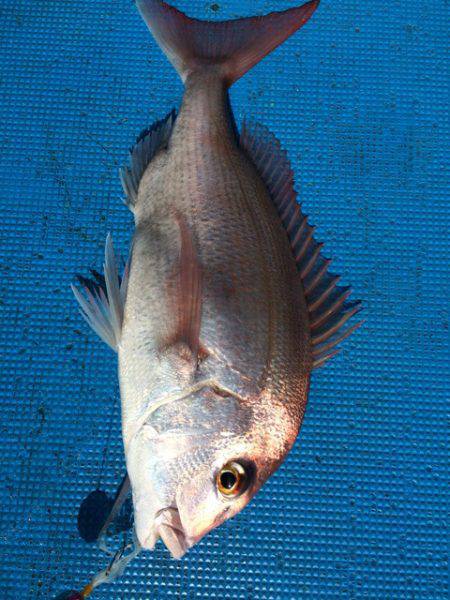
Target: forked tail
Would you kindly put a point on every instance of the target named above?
(233, 46)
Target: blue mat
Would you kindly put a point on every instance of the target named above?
(359, 99)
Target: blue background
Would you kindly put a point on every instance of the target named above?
(358, 98)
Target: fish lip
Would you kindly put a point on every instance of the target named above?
(168, 526)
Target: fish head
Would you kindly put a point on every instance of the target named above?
(197, 462)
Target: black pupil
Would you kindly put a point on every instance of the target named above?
(228, 480)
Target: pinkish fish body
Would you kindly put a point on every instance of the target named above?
(227, 305)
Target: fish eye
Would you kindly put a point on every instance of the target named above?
(232, 480)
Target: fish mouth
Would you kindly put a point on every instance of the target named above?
(167, 525)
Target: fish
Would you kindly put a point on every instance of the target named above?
(226, 304)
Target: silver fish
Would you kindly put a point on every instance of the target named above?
(227, 304)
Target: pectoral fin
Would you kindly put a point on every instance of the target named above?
(185, 294)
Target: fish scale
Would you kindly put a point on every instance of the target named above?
(213, 183)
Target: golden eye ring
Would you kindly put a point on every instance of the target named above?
(231, 480)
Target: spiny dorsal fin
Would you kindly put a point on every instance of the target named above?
(103, 298)
(148, 143)
(328, 303)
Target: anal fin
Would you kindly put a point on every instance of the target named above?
(148, 144)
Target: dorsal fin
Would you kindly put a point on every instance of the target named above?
(328, 303)
(148, 143)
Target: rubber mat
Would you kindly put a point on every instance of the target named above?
(359, 98)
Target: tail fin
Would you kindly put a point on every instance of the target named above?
(235, 45)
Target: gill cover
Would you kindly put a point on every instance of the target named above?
(172, 462)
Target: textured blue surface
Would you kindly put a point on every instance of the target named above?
(359, 98)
